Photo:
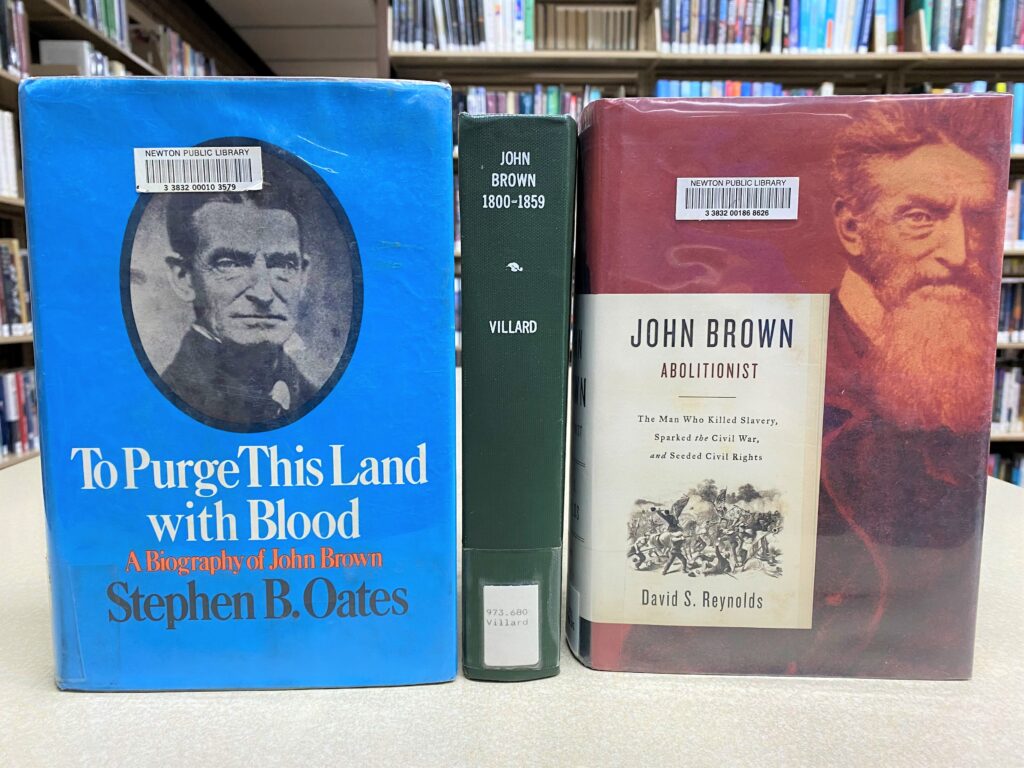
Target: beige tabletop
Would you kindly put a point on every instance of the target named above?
(581, 717)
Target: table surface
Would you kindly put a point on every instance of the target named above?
(581, 717)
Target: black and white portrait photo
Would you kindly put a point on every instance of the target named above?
(244, 307)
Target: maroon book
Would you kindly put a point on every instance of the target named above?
(786, 320)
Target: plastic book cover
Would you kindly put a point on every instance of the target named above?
(783, 367)
(244, 320)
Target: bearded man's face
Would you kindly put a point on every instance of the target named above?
(924, 239)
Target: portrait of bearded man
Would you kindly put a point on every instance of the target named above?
(918, 211)
(913, 206)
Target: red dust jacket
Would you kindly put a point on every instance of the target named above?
(786, 321)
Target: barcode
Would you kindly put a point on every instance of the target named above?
(199, 171)
(733, 199)
(765, 198)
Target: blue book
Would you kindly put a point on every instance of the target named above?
(892, 25)
(792, 42)
(1018, 117)
(746, 88)
(854, 32)
(667, 9)
(244, 335)
(1020, 221)
(806, 10)
(867, 15)
(828, 32)
(662, 88)
(683, 32)
(702, 25)
(819, 22)
(1007, 13)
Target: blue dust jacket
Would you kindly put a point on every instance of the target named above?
(244, 331)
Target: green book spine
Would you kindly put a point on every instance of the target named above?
(529, 12)
(516, 192)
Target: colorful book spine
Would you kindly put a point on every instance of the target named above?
(517, 196)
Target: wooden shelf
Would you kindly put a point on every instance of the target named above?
(9, 90)
(1007, 437)
(887, 62)
(51, 19)
(522, 58)
(15, 205)
(532, 66)
(1010, 345)
(10, 461)
(5, 340)
(806, 66)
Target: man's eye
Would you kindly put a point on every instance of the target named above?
(288, 262)
(226, 264)
(918, 217)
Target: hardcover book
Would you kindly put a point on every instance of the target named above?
(517, 186)
(244, 327)
(782, 387)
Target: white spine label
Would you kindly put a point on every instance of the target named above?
(772, 198)
(198, 169)
(511, 625)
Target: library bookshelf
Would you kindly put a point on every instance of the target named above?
(636, 72)
(194, 22)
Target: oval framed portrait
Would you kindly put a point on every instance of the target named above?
(244, 308)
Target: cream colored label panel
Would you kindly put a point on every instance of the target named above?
(697, 448)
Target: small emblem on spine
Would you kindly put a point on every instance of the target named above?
(513, 266)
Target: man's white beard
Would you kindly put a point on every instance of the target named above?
(930, 367)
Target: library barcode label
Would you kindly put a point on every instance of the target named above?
(198, 169)
(771, 198)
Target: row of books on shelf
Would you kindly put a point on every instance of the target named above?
(169, 52)
(562, 99)
(15, 293)
(9, 185)
(109, 17)
(720, 88)
(511, 25)
(538, 100)
(80, 57)
(160, 45)
(1015, 213)
(1011, 312)
(1008, 467)
(839, 26)
(19, 425)
(76, 57)
(589, 28)
(1006, 402)
(14, 45)
(714, 26)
